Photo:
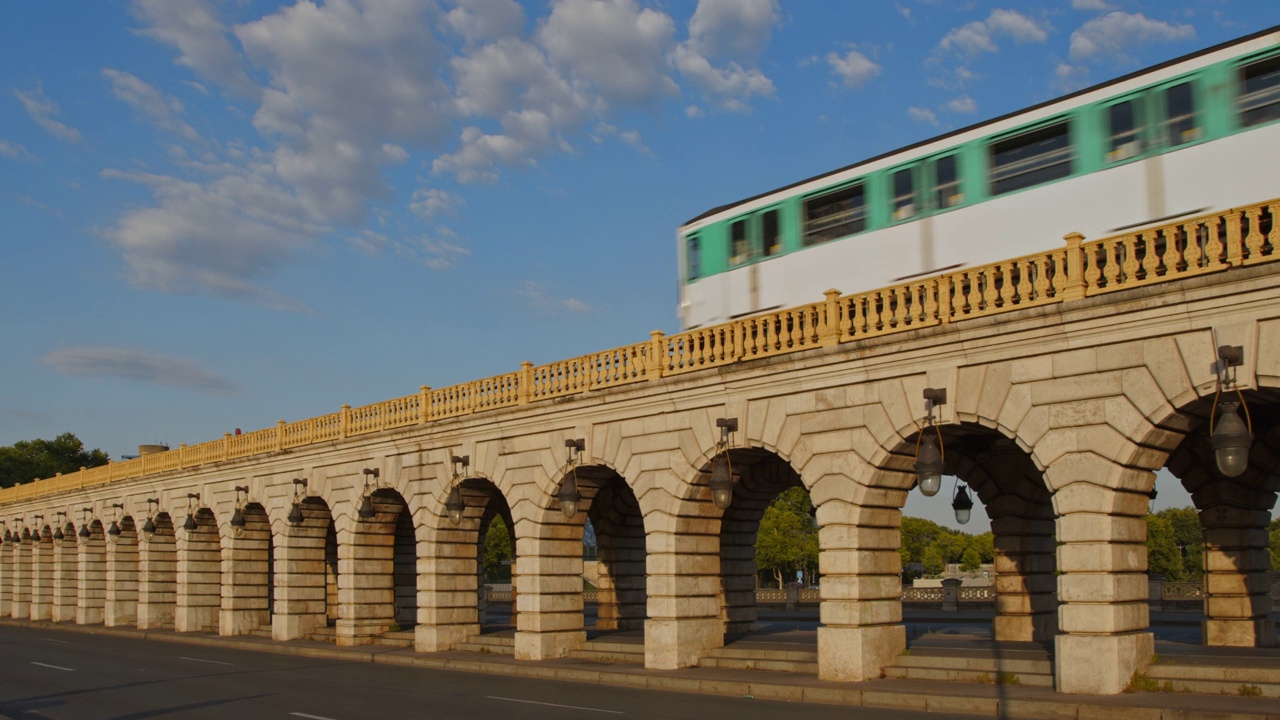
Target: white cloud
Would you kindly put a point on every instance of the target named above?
(439, 253)
(221, 238)
(694, 112)
(139, 365)
(1068, 77)
(728, 86)
(193, 27)
(162, 109)
(430, 202)
(853, 68)
(962, 104)
(542, 300)
(613, 47)
(14, 150)
(1113, 34)
(980, 36)
(41, 109)
(484, 20)
(733, 29)
(1090, 5)
(922, 115)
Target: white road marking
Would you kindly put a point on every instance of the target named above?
(312, 717)
(571, 707)
(213, 662)
(64, 642)
(55, 667)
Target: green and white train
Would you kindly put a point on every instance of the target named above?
(1189, 136)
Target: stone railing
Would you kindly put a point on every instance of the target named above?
(1204, 244)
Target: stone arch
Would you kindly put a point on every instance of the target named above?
(92, 576)
(306, 570)
(21, 568)
(247, 573)
(66, 570)
(614, 512)
(42, 577)
(121, 602)
(367, 551)
(157, 574)
(199, 573)
(449, 575)
(1234, 516)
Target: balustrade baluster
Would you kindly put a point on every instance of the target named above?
(1253, 242)
(1214, 248)
(1150, 260)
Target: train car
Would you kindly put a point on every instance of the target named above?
(1189, 136)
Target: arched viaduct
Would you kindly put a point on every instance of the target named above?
(1071, 377)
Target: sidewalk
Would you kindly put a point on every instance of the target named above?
(1002, 701)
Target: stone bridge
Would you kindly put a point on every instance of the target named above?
(1071, 376)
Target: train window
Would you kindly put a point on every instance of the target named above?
(1031, 158)
(693, 257)
(771, 233)
(1260, 94)
(1180, 115)
(834, 215)
(904, 194)
(738, 249)
(946, 182)
(1122, 121)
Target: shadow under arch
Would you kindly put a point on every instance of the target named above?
(92, 576)
(611, 507)
(305, 575)
(199, 576)
(157, 574)
(248, 578)
(1234, 515)
(377, 585)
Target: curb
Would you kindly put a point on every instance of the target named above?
(969, 699)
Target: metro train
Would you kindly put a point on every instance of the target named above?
(1189, 136)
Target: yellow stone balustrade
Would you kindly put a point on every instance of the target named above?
(1204, 244)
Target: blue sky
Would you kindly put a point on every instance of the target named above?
(221, 214)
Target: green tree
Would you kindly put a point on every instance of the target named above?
(1275, 544)
(970, 560)
(28, 460)
(934, 560)
(497, 547)
(787, 540)
(1175, 544)
(985, 544)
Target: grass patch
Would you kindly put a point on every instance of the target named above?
(1008, 678)
(1249, 691)
(1141, 682)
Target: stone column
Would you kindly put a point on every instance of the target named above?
(6, 578)
(121, 602)
(21, 607)
(66, 571)
(246, 557)
(42, 579)
(300, 577)
(1025, 584)
(549, 607)
(199, 577)
(158, 578)
(91, 590)
(684, 591)
(1237, 579)
(1103, 585)
(447, 583)
(862, 630)
(366, 593)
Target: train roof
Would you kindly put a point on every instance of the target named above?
(992, 121)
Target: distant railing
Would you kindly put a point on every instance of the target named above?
(1204, 244)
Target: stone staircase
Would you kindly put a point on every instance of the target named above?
(970, 660)
(621, 647)
(396, 639)
(499, 643)
(779, 653)
(1249, 672)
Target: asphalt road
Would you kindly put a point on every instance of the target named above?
(52, 675)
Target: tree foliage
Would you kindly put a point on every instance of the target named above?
(497, 547)
(933, 546)
(28, 460)
(787, 541)
(1175, 545)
